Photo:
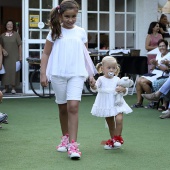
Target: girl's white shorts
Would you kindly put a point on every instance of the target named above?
(67, 88)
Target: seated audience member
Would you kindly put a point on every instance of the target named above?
(144, 83)
(163, 22)
(164, 92)
(153, 36)
(3, 116)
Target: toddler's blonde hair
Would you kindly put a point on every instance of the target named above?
(98, 67)
(111, 59)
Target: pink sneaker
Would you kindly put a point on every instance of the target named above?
(73, 150)
(62, 147)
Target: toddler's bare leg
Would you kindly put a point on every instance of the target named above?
(111, 125)
(119, 124)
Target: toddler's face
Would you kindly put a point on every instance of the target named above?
(109, 69)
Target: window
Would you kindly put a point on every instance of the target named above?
(98, 24)
(125, 24)
(111, 24)
(39, 12)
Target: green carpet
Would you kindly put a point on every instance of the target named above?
(28, 142)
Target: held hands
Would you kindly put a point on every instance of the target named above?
(92, 82)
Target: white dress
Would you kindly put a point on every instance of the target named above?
(68, 55)
(104, 102)
(158, 72)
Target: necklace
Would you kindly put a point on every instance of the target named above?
(8, 34)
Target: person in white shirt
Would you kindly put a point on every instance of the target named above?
(67, 64)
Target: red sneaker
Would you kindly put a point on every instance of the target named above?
(118, 139)
(110, 144)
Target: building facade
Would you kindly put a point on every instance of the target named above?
(109, 24)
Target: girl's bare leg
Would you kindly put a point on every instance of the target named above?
(111, 125)
(63, 115)
(72, 108)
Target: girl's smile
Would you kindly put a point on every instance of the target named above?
(68, 18)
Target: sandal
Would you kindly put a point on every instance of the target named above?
(162, 108)
(151, 105)
(137, 105)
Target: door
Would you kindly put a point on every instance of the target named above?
(34, 19)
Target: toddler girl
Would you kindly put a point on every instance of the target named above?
(103, 106)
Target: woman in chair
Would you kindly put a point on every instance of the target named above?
(144, 83)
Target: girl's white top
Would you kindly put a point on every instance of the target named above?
(158, 72)
(105, 99)
(67, 57)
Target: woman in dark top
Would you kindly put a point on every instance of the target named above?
(163, 22)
